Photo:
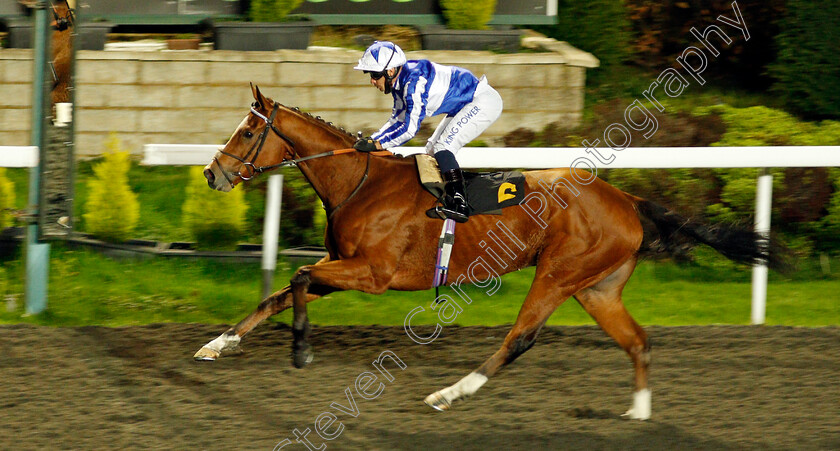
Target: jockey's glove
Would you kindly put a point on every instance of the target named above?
(365, 145)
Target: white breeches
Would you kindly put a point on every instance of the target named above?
(454, 132)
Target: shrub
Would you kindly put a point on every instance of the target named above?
(112, 209)
(663, 29)
(213, 219)
(736, 200)
(303, 219)
(600, 27)
(685, 190)
(468, 14)
(7, 200)
(763, 126)
(828, 228)
(802, 196)
(807, 65)
(271, 10)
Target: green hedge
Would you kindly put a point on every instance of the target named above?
(467, 14)
(601, 27)
(302, 217)
(663, 31)
(801, 195)
(826, 231)
(808, 66)
(806, 201)
(271, 10)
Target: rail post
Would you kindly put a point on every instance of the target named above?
(271, 231)
(763, 207)
(37, 253)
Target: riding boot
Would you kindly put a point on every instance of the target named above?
(455, 201)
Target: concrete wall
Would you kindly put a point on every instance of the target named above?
(200, 97)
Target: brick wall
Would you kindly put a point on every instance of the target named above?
(200, 97)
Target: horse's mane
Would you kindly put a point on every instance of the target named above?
(318, 120)
(341, 132)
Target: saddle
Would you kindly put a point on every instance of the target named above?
(487, 192)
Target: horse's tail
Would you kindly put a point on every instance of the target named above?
(736, 243)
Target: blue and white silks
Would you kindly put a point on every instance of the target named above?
(424, 88)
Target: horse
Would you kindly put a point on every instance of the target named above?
(378, 238)
(63, 26)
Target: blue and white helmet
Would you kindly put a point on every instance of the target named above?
(381, 56)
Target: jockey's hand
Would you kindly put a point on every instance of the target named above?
(367, 145)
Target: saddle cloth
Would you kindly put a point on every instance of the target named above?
(487, 192)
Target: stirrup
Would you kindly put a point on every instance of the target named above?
(446, 213)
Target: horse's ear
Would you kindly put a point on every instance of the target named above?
(255, 90)
(259, 99)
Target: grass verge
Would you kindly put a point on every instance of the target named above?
(87, 288)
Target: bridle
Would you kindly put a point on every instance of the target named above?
(257, 148)
(253, 169)
(63, 23)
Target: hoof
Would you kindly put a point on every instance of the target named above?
(633, 415)
(437, 401)
(303, 357)
(206, 354)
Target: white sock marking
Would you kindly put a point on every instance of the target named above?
(465, 387)
(224, 342)
(641, 406)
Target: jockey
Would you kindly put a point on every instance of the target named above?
(422, 88)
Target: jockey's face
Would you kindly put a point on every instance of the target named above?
(380, 83)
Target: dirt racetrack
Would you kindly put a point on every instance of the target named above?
(717, 388)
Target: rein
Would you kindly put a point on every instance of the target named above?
(269, 125)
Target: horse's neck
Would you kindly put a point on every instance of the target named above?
(333, 177)
(336, 178)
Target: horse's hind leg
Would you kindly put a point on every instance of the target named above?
(543, 298)
(603, 302)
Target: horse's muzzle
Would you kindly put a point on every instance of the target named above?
(211, 178)
(216, 178)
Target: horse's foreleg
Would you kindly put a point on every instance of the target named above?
(542, 300)
(603, 302)
(301, 350)
(272, 305)
(330, 276)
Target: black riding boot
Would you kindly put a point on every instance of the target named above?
(455, 201)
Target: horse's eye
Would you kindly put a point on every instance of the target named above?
(248, 134)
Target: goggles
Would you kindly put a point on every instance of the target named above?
(375, 75)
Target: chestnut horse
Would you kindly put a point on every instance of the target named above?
(63, 25)
(378, 239)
